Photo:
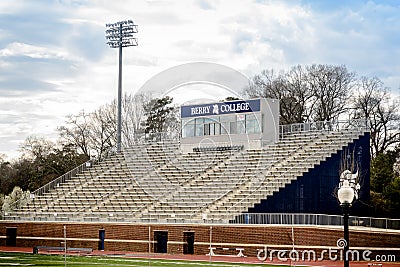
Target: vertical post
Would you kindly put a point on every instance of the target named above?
(346, 233)
(149, 239)
(210, 244)
(65, 245)
(119, 116)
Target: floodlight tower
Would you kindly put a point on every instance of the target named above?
(119, 35)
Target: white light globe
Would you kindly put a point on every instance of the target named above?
(346, 193)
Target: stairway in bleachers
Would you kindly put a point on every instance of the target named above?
(155, 182)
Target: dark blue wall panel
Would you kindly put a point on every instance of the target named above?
(314, 192)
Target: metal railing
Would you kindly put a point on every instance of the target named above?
(301, 219)
(62, 179)
(145, 138)
(314, 219)
(337, 125)
(73, 173)
(50, 185)
(284, 130)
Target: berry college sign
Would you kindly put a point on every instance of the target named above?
(220, 108)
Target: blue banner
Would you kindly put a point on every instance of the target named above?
(220, 108)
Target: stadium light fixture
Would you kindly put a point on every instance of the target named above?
(120, 34)
(346, 194)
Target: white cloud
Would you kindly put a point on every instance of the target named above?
(36, 52)
(54, 59)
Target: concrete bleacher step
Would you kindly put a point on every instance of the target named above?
(308, 156)
(157, 181)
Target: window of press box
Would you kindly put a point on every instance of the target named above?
(211, 126)
(220, 125)
(188, 127)
(199, 127)
(252, 124)
(225, 122)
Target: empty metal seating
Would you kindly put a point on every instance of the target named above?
(155, 181)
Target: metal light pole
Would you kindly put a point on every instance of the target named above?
(346, 207)
(346, 196)
(119, 35)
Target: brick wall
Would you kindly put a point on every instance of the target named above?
(134, 237)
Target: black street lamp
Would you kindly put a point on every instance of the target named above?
(119, 35)
(346, 195)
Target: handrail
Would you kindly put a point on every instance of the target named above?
(145, 138)
(314, 219)
(301, 219)
(335, 125)
(72, 173)
(52, 184)
(61, 179)
(67, 176)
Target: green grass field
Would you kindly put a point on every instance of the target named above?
(24, 259)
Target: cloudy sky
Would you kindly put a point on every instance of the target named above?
(54, 60)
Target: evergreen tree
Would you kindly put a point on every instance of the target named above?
(385, 185)
(160, 115)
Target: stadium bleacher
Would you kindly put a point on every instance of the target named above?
(156, 182)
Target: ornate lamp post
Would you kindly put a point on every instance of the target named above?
(346, 195)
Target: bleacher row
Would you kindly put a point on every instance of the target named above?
(155, 182)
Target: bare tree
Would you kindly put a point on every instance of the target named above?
(384, 127)
(263, 85)
(331, 86)
(373, 102)
(36, 147)
(102, 130)
(297, 105)
(324, 92)
(134, 116)
(368, 96)
(77, 132)
(290, 88)
(94, 133)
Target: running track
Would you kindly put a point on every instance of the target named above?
(247, 260)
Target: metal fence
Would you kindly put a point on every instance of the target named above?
(289, 219)
(284, 130)
(357, 124)
(145, 138)
(315, 219)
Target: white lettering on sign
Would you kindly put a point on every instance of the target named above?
(200, 110)
(235, 107)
